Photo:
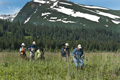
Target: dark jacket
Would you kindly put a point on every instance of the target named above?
(65, 53)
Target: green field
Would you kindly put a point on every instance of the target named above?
(97, 66)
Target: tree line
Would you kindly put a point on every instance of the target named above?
(51, 37)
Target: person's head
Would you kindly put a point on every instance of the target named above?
(23, 44)
(66, 45)
(34, 43)
(79, 46)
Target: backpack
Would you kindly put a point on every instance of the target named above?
(22, 51)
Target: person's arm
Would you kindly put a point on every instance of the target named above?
(83, 55)
(29, 48)
(73, 52)
(62, 50)
(20, 50)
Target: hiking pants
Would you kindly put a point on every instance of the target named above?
(23, 55)
(32, 55)
(78, 61)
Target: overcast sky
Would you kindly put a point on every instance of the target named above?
(13, 6)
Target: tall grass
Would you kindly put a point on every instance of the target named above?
(97, 66)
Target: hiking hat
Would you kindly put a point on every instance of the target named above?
(23, 44)
(34, 42)
(79, 46)
(66, 44)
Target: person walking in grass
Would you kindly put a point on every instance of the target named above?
(42, 57)
(66, 51)
(23, 51)
(32, 50)
(37, 54)
(40, 54)
(78, 56)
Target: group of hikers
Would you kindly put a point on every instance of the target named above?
(77, 54)
(38, 53)
(35, 53)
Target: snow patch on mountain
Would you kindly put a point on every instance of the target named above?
(30, 17)
(116, 22)
(61, 21)
(45, 17)
(44, 1)
(92, 7)
(39, 4)
(95, 7)
(65, 3)
(46, 13)
(64, 18)
(106, 25)
(27, 20)
(104, 14)
(53, 0)
(68, 21)
(35, 11)
(107, 14)
(13, 16)
(53, 18)
(54, 4)
(41, 1)
(72, 13)
(90, 10)
(1, 17)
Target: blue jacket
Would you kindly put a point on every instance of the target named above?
(77, 53)
(32, 46)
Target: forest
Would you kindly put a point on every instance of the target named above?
(51, 37)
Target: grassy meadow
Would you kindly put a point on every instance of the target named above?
(97, 66)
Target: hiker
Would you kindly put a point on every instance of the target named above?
(32, 50)
(66, 51)
(40, 53)
(62, 51)
(78, 56)
(23, 51)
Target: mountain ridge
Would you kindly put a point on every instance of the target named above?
(9, 17)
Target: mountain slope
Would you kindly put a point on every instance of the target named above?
(66, 13)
